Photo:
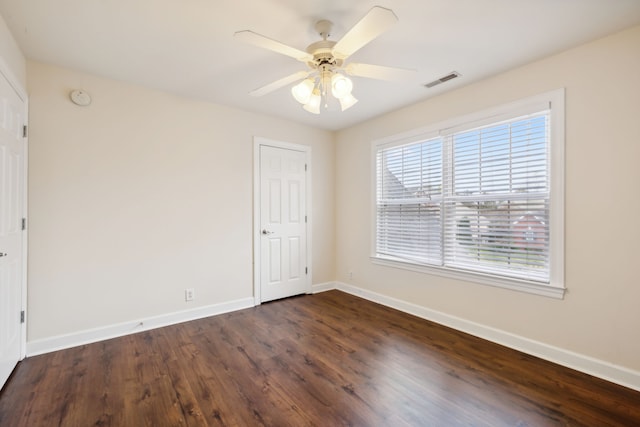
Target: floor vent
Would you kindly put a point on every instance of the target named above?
(451, 75)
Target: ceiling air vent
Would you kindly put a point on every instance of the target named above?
(451, 75)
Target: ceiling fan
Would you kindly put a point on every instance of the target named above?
(326, 61)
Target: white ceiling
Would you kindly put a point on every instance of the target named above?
(186, 47)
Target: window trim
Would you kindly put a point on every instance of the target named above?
(556, 99)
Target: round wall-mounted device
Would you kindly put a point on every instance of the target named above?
(80, 97)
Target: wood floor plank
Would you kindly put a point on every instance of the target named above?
(261, 404)
(330, 359)
(410, 376)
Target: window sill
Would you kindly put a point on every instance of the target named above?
(484, 279)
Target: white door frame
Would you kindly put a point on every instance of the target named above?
(7, 74)
(257, 143)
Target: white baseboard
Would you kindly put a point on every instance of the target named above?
(589, 365)
(88, 336)
(598, 368)
(60, 342)
(322, 287)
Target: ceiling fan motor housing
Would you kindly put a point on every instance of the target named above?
(322, 54)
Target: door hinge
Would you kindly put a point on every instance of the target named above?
(305, 219)
(24, 223)
(306, 270)
(24, 131)
(305, 167)
(22, 316)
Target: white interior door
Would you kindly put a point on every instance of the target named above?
(12, 186)
(283, 223)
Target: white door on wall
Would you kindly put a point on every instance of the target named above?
(283, 269)
(12, 188)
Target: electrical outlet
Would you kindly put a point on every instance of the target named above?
(189, 294)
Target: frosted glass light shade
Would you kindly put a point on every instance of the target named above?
(313, 105)
(340, 85)
(347, 101)
(303, 90)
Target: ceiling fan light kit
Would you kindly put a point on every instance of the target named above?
(310, 93)
(326, 61)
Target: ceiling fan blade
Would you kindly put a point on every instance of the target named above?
(378, 71)
(259, 40)
(375, 22)
(279, 83)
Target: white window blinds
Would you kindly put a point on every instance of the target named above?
(473, 199)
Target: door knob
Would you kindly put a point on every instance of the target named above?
(3, 254)
(266, 232)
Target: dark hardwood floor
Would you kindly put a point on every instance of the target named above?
(329, 359)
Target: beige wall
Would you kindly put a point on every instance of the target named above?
(11, 55)
(144, 194)
(599, 316)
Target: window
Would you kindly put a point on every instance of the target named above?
(478, 198)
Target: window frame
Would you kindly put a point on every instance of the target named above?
(555, 100)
